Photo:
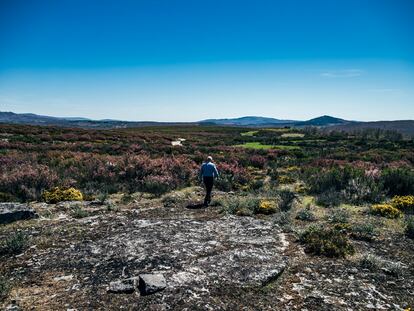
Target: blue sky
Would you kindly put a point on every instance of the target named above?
(190, 60)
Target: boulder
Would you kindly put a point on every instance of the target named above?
(10, 212)
(151, 283)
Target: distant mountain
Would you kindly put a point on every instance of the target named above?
(247, 121)
(324, 121)
(331, 123)
(34, 119)
(30, 118)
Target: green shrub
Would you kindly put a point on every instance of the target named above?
(398, 181)
(339, 216)
(58, 195)
(14, 244)
(326, 241)
(127, 198)
(409, 227)
(362, 189)
(364, 232)
(286, 199)
(305, 214)
(7, 197)
(330, 198)
(225, 183)
(4, 288)
(370, 262)
(241, 205)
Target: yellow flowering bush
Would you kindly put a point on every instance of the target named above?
(404, 203)
(293, 169)
(267, 207)
(301, 188)
(386, 210)
(57, 195)
(284, 179)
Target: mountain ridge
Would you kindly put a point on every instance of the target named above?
(325, 121)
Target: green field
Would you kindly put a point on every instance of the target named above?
(257, 145)
(250, 133)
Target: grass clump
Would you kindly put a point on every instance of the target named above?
(58, 195)
(370, 262)
(79, 212)
(386, 210)
(14, 244)
(326, 241)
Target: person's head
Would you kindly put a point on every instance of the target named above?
(209, 159)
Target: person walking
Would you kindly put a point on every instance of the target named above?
(208, 173)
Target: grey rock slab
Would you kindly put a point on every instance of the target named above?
(126, 286)
(10, 212)
(151, 283)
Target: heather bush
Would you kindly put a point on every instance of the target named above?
(257, 161)
(362, 189)
(326, 241)
(398, 181)
(26, 181)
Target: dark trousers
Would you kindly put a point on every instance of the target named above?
(208, 182)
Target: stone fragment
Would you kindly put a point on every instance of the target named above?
(126, 286)
(151, 283)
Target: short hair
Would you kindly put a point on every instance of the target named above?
(209, 159)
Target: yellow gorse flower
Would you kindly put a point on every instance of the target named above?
(267, 206)
(404, 203)
(57, 195)
(386, 210)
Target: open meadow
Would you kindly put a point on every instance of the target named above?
(300, 218)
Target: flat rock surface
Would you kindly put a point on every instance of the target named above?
(208, 261)
(10, 212)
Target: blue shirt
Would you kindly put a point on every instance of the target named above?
(208, 169)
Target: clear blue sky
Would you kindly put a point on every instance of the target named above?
(189, 60)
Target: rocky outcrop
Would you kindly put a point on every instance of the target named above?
(10, 212)
(151, 283)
